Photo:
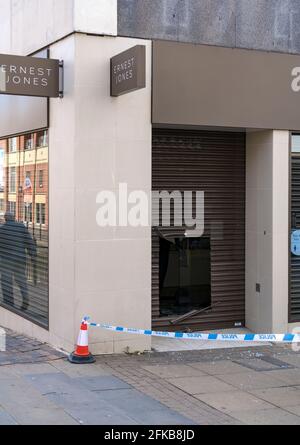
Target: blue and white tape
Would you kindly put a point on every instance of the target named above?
(257, 338)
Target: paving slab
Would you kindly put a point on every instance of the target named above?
(219, 367)
(252, 380)
(169, 371)
(228, 402)
(258, 364)
(274, 416)
(292, 359)
(44, 416)
(293, 409)
(31, 369)
(59, 384)
(26, 405)
(103, 383)
(71, 370)
(92, 412)
(142, 408)
(288, 377)
(6, 419)
(200, 385)
(281, 397)
(6, 372)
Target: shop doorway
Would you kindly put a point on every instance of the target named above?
(199, 282)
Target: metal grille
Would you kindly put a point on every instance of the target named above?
(213, 162)
(295, 260)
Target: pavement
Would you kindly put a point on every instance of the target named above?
(257, 385)
(164, 344)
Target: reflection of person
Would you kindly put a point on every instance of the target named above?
(15, 243)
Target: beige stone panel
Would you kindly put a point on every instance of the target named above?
(61, 260)
(252, 210)
(10, 320)
(61, 312)
(86, 212)
(61, 215)
(95, 166)
(121, 264)
(133, 345)
(264, 211)
(127, 308)
(96, 111)
(130, 155)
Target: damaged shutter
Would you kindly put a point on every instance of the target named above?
(213, 162)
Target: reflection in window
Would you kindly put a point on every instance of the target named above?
(12, 179)
(42, 139)
(41, 214)
(28, 212)
(41, 178)
(24, 226)
(29, 142)
(12, 144)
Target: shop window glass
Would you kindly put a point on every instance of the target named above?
(24, 229)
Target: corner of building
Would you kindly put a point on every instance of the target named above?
(267, 222)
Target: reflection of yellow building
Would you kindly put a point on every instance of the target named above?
(25, 178)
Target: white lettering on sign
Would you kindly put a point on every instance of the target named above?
(296, 80)
(22, 75)
(124, 71)
(2, 80)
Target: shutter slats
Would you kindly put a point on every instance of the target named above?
(295, 261)
(213, 162)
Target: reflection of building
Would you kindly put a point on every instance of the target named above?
(24, 188)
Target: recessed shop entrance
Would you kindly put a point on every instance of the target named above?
(198, 282)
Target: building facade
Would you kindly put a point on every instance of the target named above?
(218, 114)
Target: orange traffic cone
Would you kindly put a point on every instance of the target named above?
(82, 354)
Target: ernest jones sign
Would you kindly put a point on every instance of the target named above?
(128, 71)
(29, 76)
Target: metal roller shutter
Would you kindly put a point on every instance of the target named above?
(295, 260)
(213, 162)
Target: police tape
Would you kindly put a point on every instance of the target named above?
(256, 338)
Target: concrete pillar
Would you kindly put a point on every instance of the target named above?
(267, 234)
(96, 143)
